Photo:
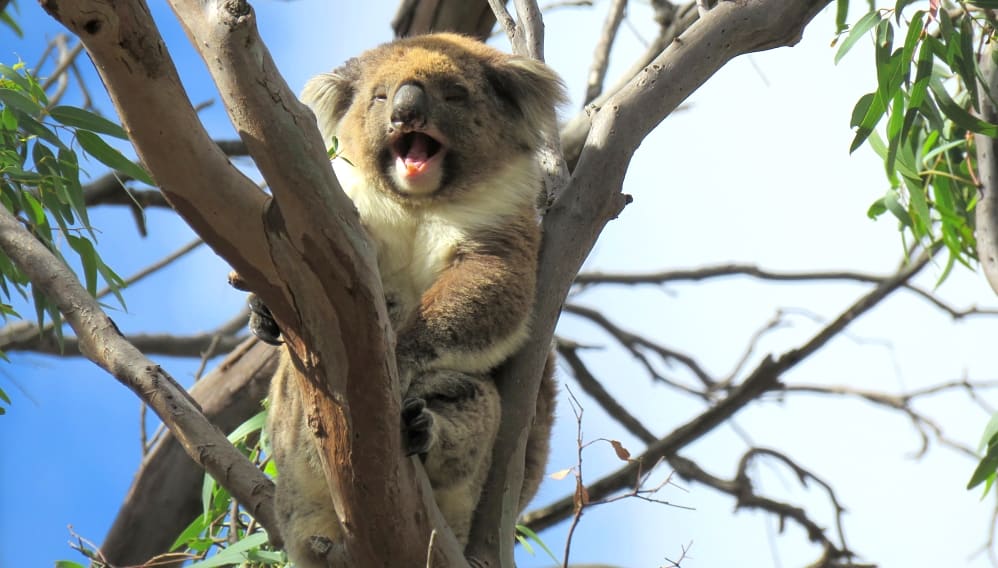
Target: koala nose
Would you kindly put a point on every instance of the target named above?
(409, 107)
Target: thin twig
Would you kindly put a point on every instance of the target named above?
(601, 56)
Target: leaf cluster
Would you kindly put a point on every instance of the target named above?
(40, 150)
(225, 533)
(921, 117)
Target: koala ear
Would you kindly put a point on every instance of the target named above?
(329, 96)
(530, 86)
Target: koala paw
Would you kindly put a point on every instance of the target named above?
(261, 322)
(417, 427)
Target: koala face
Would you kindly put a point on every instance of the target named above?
(434, 116)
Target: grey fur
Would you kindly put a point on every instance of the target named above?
(440, 133)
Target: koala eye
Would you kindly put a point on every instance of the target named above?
(455, 94)
(379, 97)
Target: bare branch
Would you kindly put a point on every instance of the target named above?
(65, 61)
(765, 377)
(101, 342)
(902, 403)
(601, 58)
(592, 387)
(592, 199)
(635, 343)
(587, 279)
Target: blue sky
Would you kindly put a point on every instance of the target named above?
(754, 170)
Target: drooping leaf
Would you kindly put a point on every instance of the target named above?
(100, 149)
(88, 258)
(80, 118)
(234, 553)
(865, 24)
(958, 115)
(19, 101)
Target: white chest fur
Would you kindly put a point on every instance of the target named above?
(416, 244)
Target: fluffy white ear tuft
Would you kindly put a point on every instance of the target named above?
(329, 96)
(531, 86)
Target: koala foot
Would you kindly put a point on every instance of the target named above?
(261, 321)
(320, 545)
(417, 426)
(327, 552)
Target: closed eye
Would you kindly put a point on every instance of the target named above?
(456, 94)
(379, 97)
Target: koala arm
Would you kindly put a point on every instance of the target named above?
(477, 312)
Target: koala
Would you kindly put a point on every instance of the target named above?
(436, 138)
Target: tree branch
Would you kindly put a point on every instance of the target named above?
(161, 502)
(304, 252)
(601, 57)
(587, 279)
(471, 17)
(986, 212)
(765, 378)
(592, 198)
(222, 205)
(102, 343)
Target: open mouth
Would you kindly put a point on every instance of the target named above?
(415, 152)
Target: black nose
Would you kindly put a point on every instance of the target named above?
(409, 107)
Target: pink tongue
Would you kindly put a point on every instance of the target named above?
(415, 159)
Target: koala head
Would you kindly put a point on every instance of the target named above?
(433, 116)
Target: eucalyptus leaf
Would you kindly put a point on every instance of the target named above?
(100, 149)
(80, 118)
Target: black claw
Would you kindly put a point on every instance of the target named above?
(417, 424)
(320, 545)
(261, 321)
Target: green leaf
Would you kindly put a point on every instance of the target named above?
(841, 16)
(89, 258)
(533, 536)
(19, 101)
(207, 491)
(911, 42)
(893, 204)
(32, 126)
(988, 466)
(67, 564)
(13, 76)
(894, 124)
(69, 167)
(958, 115)
(80, 118)
(8, 21)
(8, 120)
(254, 424)
(921, 219)
(864, 25)
(871, 108)
(98, 148)
(114, 282)
(990, 432)
(234, 553)
(877, 208)
(194, 529)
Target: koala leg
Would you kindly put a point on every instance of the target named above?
(450, 420)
